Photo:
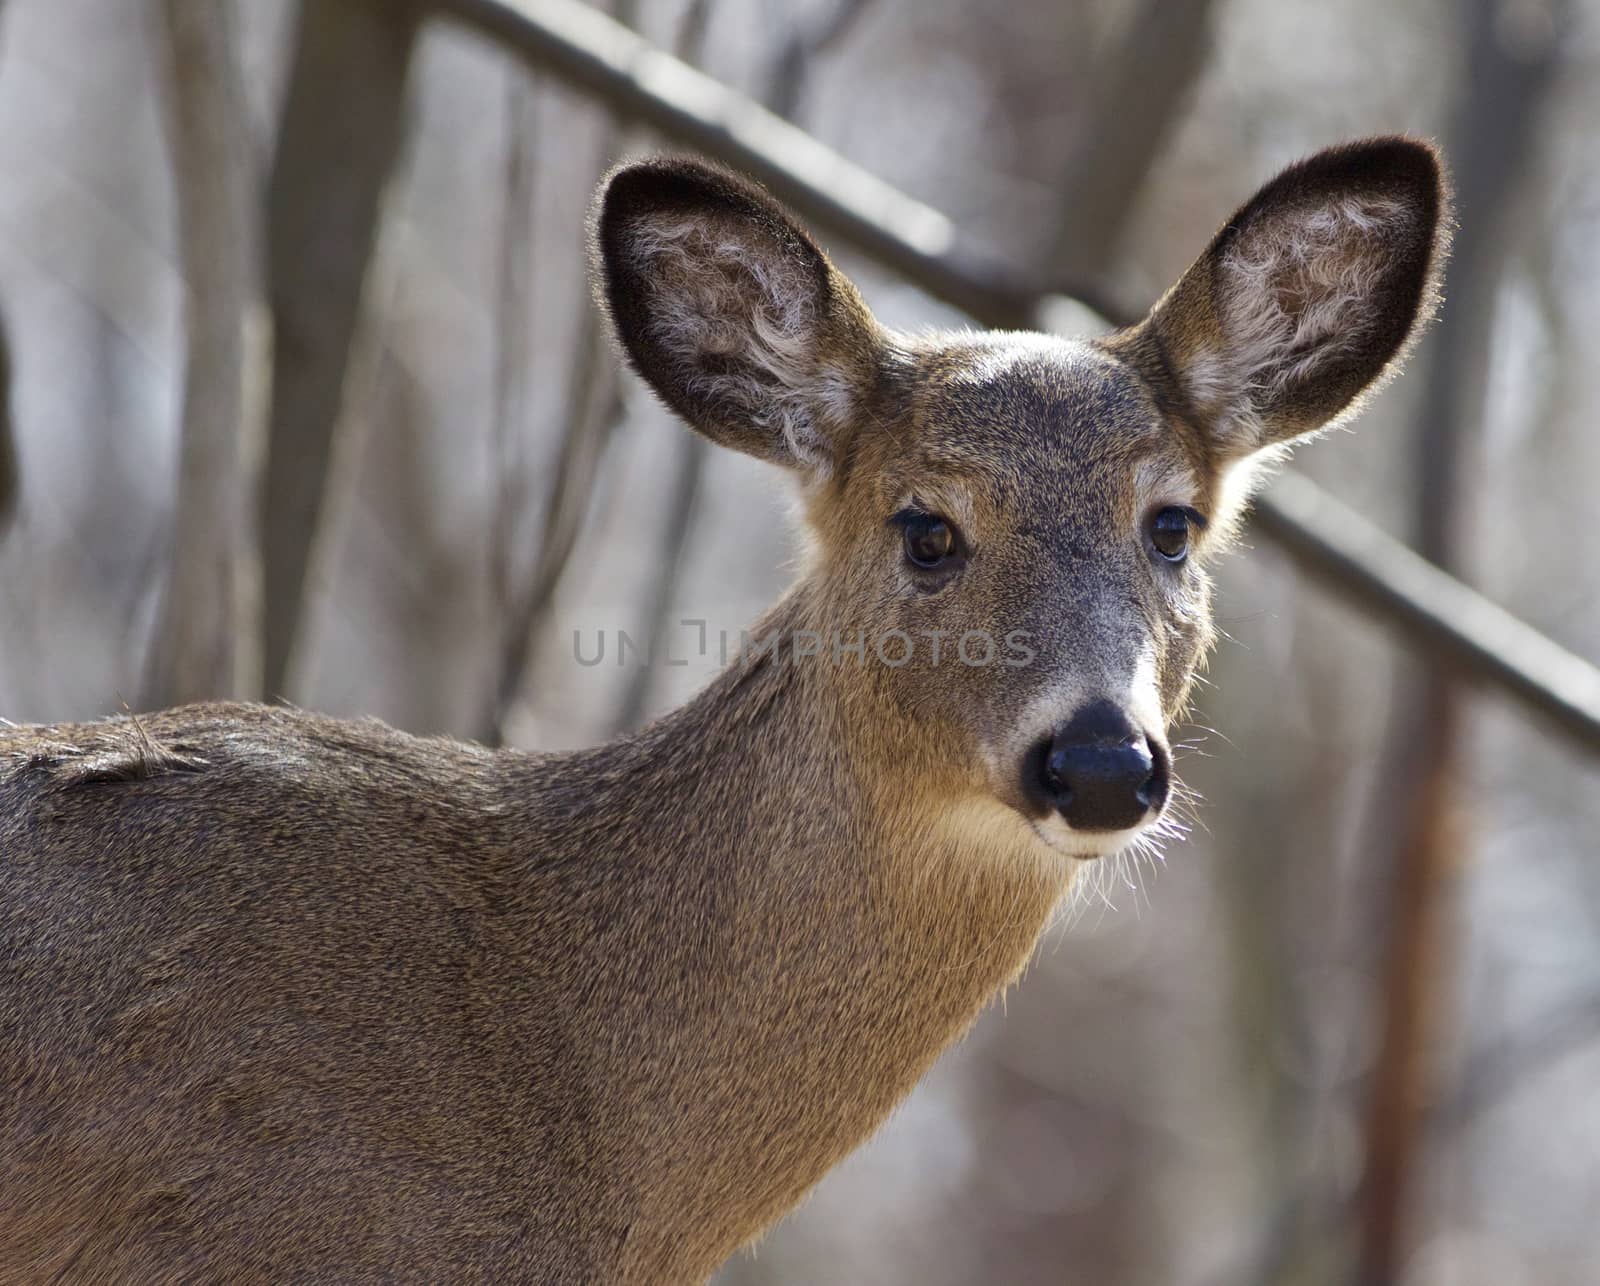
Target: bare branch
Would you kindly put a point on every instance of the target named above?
(682, 501)
(579, 44)
(1456, 624)
(206, 614)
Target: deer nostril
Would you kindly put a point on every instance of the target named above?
(1152, 794)
(1101, 785)
(1098, 773)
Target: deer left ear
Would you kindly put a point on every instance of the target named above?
(1308, 297)
(732, 313)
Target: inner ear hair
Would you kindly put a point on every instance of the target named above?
(1310, 295)
(730, 311)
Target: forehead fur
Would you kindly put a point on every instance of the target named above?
(1012, 410)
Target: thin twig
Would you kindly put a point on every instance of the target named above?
(590, 417)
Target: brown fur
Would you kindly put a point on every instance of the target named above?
(284, 996)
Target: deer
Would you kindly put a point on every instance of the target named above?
(290, 997)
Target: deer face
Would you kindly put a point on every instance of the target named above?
(1011, 531)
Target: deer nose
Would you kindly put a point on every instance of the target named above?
(1100, 773)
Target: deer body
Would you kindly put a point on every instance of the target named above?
(285, 996)
(445, 1094)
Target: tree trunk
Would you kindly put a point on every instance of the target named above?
(1507, 73)
(340, 134)
(208, 600)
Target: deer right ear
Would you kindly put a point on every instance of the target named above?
(1307, 298)
(731, 312)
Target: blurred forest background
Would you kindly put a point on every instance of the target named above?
(1351, 1029)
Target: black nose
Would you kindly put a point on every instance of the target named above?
(1099, 773)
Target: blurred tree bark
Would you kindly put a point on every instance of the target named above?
(10, 466)
(400, 478)
(10, 463)
(593, 409)
(339, 136)
(1138, 90)
(591, 413)
(1511, 59)
(203, 639)
(514, 352)
(789, 72)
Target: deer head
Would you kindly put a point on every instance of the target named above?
(1008, 536)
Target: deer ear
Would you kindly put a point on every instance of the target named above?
(731, 312)
(1308, 297)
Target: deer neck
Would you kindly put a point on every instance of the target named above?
(789, 935)
(787, 790)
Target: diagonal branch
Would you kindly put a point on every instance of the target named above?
(580, 45)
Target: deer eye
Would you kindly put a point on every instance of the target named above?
(1169, 532)
(929, 540)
